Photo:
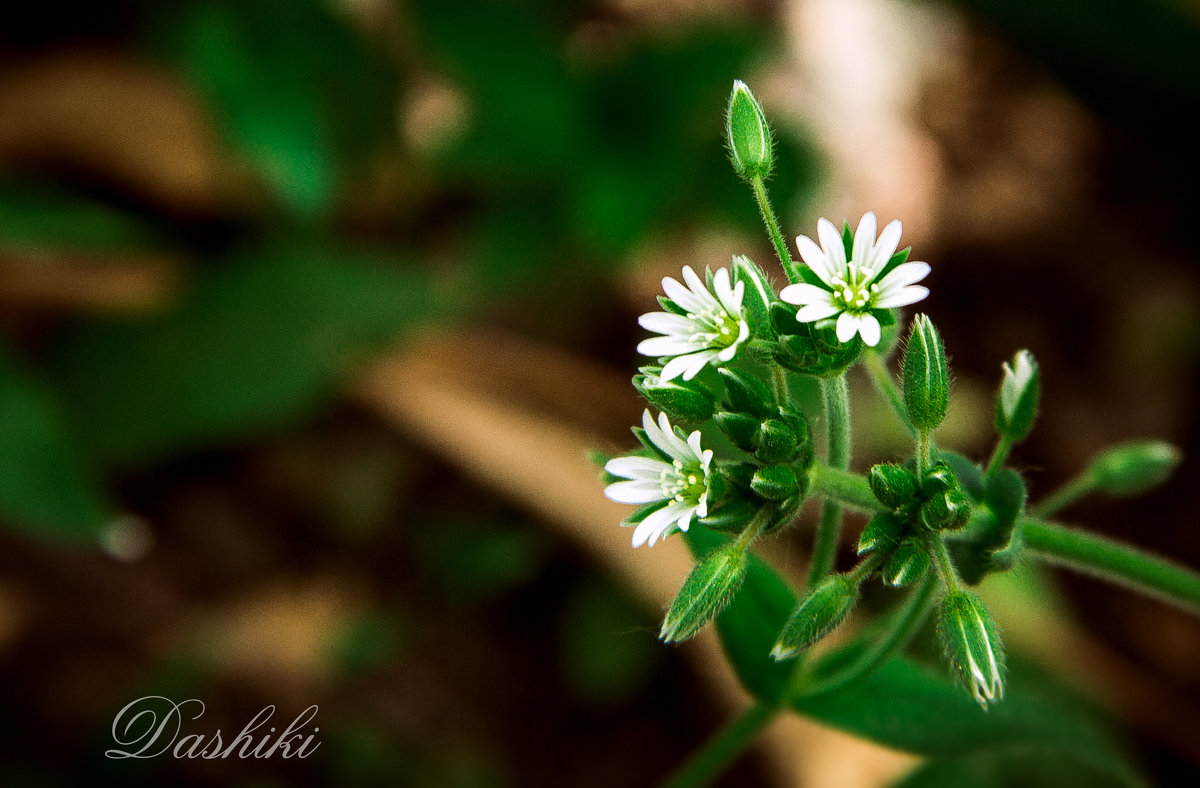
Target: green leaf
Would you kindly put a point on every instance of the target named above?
(37, 218)
(45, 489)
(1009, 767)
(261, 341)
(294, 90)
(909, 707)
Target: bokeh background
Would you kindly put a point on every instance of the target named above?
(311, 311)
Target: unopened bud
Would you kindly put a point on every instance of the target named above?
(816, 616)
(972, 645)
(893, 485)
(688, 401)
(1016, 406)
(775, 482)
(759, 295)
(741, 429)
(926, 376)
(745, 393)
(705, 593)
(883, 533)
(1134, 468)
(777, 442)
(907, 564)
(748, 135)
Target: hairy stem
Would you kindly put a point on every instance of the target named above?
(1003, 447)
(1112, 561)
(903, 625)
(887, 387)
(837, 416)
(768, 215)
(1064, 496)
(723, 748)
(941, 562)
(849, 489)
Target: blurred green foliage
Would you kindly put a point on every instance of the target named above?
(571, 154)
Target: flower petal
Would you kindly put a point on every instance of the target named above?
(638, 492)
(666, 323)
(658, 347)
(902, 297)
(864, 240)
(869, 330)
(885, 247)
(904, 274)
(815, 259)
(637, 467)
(814, 312)
(831, 242)
(847, 326)
(803, 293)
(691, 302)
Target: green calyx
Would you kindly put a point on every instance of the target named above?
(706, 592)
(748, 135)
(818, 614)
(685, 401)
(926, 376)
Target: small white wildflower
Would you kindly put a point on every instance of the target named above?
(1016, 379)
(713, 329)
(852, 288)
(681, 485)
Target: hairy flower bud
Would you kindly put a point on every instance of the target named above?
(893, 485)
(817, 615)
(748, 135)
(1134, 468)
(926, 376)
(775, 482)
(972, 645)
(747, 394)
(883, 533)
(777, 442)
(707, 590)
(741, 429)
(1016, 405)
(908, 563)
(688, 401)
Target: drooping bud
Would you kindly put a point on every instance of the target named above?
(816, 616)
(748, 135)
(907, 564)
(1017, 403)
(688, 401)
(775, 482)
(972, 645)
(1134, 468)
(707, 590)
(926, 376)
(894, 485)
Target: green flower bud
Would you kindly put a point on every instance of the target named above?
(907, 564)
(894, 485)
(775, 482)
(688, 401)
(707, 590)
(759, 295)
(946, 511)
(748, 135)
(741, 429)
(926, 376)
(1017, 403)
(777, 442)
(1134, 468)
(816, 616)
(972, 645)
(747, 394)
(733, 515)
(883, 532)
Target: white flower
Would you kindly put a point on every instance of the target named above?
(1016, 379)
(852, 288)
(681, 485)
(713, 328)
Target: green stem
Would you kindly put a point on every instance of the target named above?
(887, 387)
(723, 748)
(902, 627)
(783, 392)
(849, 489)
(1064, 496)
(1003, 447)
(768, 215)
(941, 562)
(1112, 561)
(924, 452)
(837, 415)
